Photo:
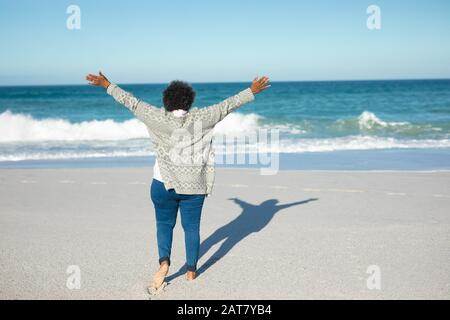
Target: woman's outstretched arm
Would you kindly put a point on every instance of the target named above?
(142, 110)
(215, 113)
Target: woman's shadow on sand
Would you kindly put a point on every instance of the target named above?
(253, 218)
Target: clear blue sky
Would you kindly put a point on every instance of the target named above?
(207, 41)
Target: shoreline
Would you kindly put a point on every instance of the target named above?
(150, 167)
(382, 160)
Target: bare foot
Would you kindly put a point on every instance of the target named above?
(191, 275)
(160, 275)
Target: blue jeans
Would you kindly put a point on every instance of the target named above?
(166, 204)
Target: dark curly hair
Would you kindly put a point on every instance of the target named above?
(178, 95)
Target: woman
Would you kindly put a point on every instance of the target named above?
(184, 166)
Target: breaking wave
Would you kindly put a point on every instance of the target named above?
(23, 137)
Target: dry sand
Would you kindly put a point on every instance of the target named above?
(338, 224)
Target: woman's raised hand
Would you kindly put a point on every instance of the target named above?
(99, 80)
(260, 84)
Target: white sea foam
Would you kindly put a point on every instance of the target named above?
(24, 128)
(236, 123)
(359, 143)
(18, 127)
(339, 144)
(368, 120)
(71, 155)
(23, 137)
(285, 146)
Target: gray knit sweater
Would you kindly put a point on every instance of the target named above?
(183, 145)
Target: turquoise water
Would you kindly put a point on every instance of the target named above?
(82, 122)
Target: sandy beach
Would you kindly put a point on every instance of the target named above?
(294, 235)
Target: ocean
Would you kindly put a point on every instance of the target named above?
(401, 124)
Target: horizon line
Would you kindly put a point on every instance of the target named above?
(227, 82)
